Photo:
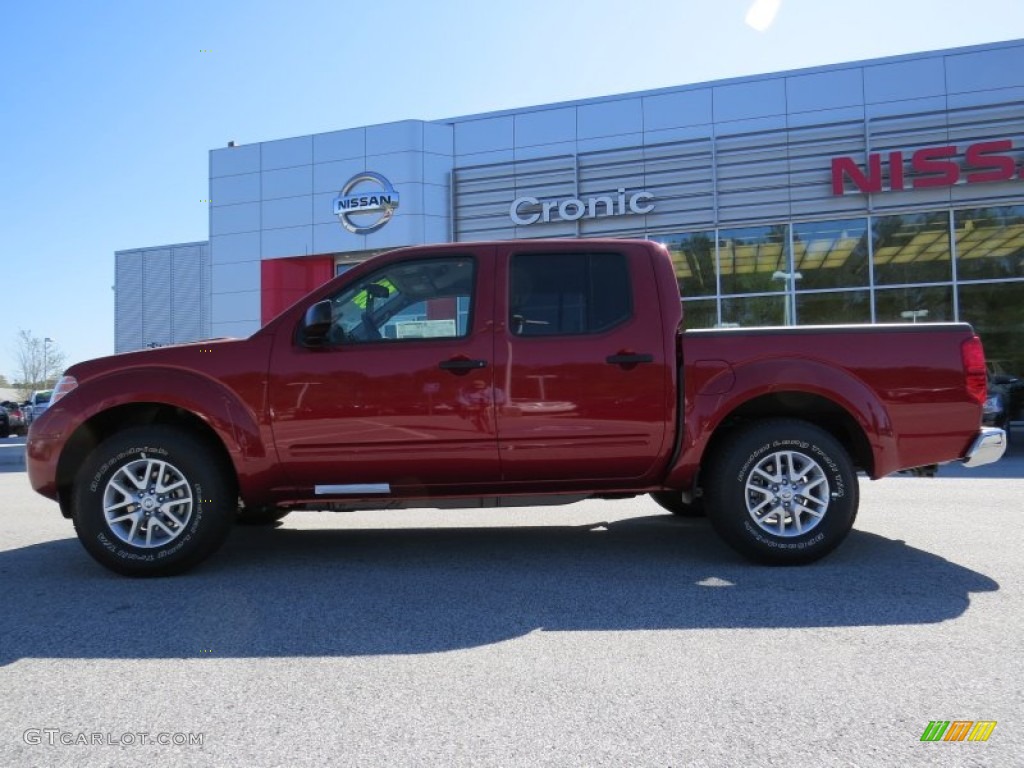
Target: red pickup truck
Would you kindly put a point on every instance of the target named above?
(504, 374)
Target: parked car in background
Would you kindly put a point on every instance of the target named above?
(37, 402)
(994, 413)
(1009, 387)
(5, 423)
(15, 418)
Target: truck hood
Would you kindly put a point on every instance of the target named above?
(174, 355)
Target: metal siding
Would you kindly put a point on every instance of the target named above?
(206, 290)
(979, 70)
(286, 153)
(810, 150)
(753, 177)
(546, 126)
(187, 294)
(232, 160)
(388, 138)
(156, 296)
(128, 307)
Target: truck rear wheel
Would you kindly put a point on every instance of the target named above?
(782, 492)
(153, 501)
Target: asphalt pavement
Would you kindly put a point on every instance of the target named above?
(599, 634)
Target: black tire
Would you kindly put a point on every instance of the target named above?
(5, 430)
(673, 502)
(260, 515)
(805, 516)
(201, 496)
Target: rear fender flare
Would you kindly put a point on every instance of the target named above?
(706, 412)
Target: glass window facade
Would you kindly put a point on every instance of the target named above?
(831, 307)
(693, 255)
(912, 248)
(989, 243)
(937, 266)
(831, 254)
(753, 259)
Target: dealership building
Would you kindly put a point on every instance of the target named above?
(889, 190)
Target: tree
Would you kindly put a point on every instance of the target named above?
(39, 363)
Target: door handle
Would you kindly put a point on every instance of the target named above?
(628, 359)
(461, 364)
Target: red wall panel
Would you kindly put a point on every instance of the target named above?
(285, 281)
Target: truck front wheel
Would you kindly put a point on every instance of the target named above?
(782, 492)
(153, 501)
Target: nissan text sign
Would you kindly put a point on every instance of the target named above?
(928, 167)
(529, 210)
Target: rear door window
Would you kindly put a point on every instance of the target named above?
(567, 294)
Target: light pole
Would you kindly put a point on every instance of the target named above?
(913, 314)
(46, 359)
(790, 292)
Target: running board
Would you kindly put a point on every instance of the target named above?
(359, 489)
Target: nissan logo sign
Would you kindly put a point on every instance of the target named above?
(365, 193)
(529, 210)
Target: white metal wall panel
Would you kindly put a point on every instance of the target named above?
(486, 135)
(128, 305)
(339, 145)
(825, 90)
(287, 182)
(187, 293)
(545, 126)
(206, 292)
(232, 160)
(979, 70)
(406, 135)
(161, 296)
(754, 98)
(286, 153)
(752, 172)
(609, 118)
(676, 110)
(902, 80)
(156, 295)
(810, 152)
(240, 188)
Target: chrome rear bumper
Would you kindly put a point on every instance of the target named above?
(988, 446)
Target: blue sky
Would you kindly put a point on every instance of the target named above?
(109, 109)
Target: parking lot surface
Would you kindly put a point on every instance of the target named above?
(603, 633)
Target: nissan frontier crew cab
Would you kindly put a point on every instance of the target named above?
(504, 374)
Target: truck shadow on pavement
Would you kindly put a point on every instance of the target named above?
(287, 592)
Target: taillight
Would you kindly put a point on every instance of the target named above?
(972, 354)
(65, 385)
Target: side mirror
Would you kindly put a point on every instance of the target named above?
(317, 324)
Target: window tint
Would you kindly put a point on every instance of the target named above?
(426, 299)
(568, 293)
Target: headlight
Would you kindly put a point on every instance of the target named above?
(65, 385)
